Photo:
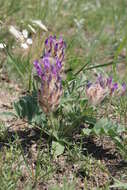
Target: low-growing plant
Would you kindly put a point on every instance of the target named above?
(66, 106)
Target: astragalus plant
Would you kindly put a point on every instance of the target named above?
(49, 70)
(69, 105)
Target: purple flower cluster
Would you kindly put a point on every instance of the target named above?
(49, 69)
(50, 65)
(110, 85)
(55, 48)
(96, 92)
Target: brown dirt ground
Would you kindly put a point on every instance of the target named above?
(102, 150)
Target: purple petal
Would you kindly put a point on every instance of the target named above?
(61, 56)
(49, 79)
(35, 63)
(54, 37)
(58, 64)
(46, 63)
(38, 67)
(109, 81)
(46, 42)
(43, 76)
(115, 87)
(124, 87)
(53, 70)
(101, 81)
(88, 84)
(59, 78)
(56, 47)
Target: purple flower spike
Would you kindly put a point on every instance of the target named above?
(49, 69)
(103, 87)
(55, 48)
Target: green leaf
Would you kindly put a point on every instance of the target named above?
(17, 109)
(57, 148)
(27, 106)
(107, 127)
(39, 119)
(100, 126)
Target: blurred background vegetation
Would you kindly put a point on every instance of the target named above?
(94, 30)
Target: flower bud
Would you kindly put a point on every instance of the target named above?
(95, 93)
(104, 87)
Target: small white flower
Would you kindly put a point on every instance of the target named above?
(21, 36)
(40, 24)
(29, 41)
(25, 33)
(2, 45)
(79, 23)
(16, 33)
(24, 46)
